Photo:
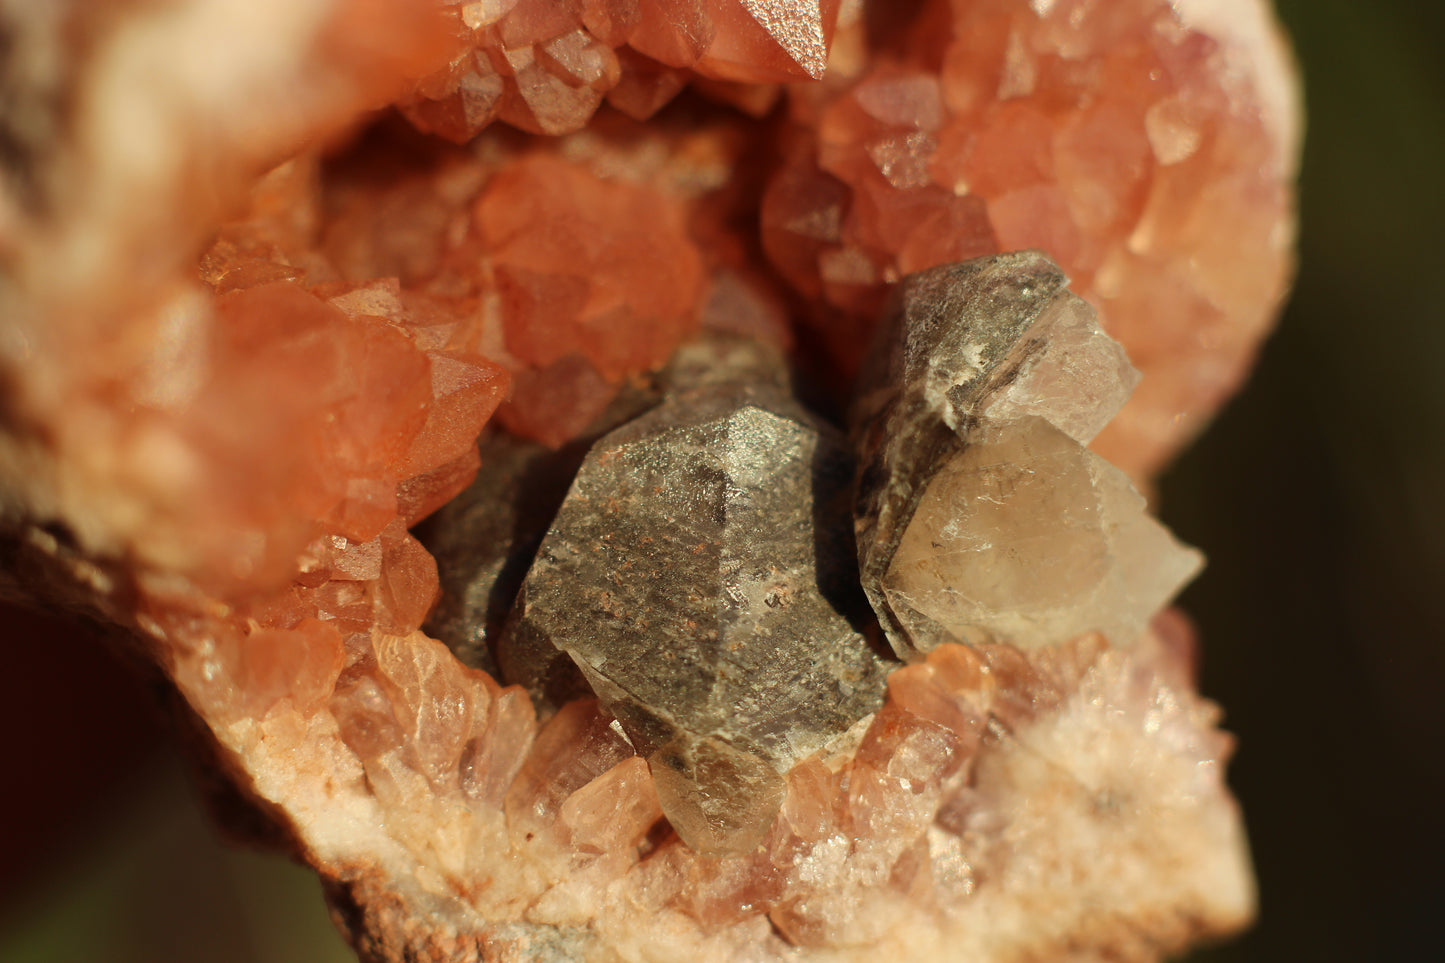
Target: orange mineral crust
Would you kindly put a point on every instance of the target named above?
(260, 299)
(1148, 146)
(546, 67)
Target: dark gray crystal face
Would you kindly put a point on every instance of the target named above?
(485, 539)
(953, 331)
(701, 575)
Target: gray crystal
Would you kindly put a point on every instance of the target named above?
(700, 573)
(485, 538)
(980, 514)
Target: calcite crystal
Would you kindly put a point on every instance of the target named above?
(700, 576)
(255, 315)
(981, 515)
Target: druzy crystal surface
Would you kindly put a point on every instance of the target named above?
(255, 314)
(546, 67)
(981, 515)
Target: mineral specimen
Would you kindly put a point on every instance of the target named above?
(252, 323)
(981, 516)
(700, 575)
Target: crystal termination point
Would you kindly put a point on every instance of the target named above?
(981, 516)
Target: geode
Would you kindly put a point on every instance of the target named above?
(254, 323)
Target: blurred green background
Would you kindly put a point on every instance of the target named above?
(1319, 496)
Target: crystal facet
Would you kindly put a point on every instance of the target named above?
(981, 516)
(699, 575)
(485, 539)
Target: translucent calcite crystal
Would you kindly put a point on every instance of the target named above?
(699, 576)
(981, 515)
(1029, 537)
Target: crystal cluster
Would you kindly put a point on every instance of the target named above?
(981, 514)
(254, 318)
(1121, 138)
(546, 67)
(997, 805)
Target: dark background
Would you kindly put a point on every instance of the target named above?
(1319, 496)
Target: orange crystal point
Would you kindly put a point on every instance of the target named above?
(300, 664)
(673, 32)
(645, 86)
(762, 41)
(465, 390)
(598, 280)
(545, 67)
